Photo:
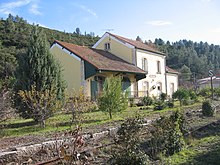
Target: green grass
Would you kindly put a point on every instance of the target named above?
(61, 121)
(201, 151)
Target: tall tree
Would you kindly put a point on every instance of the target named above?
(38, 71)
(185, 73)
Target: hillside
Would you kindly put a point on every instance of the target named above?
(14, 36)
(191, 59)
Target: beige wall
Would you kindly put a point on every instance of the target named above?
(71, 68)
(117, 49)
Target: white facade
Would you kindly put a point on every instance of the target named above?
(154, 82)
(157, 80)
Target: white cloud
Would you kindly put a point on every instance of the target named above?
(34, 9)
(9, 7)
(159, 23)
(88, 10)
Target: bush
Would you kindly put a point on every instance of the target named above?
(208, 109)
(163, 96)
(147, 100)
(159, 105)
(167, 136)
(170, 104)
(181, 94)
(127, 148)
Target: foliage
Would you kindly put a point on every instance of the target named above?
(127, 148)
(192, 95)
(38, 74)
(199, 57)
(185, 73)
(40, 104)
(163, 97)
(77, 103)
(181, 94)
(147, 100)
(170, 103)
(167, 136)
(159, 105)
(205, 92)
(112, 99)
(8, 64)
(207, 108)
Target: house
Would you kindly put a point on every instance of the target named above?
(142, 67)
(88, 68)
(159, 78)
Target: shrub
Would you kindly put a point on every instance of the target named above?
(205, 92)
(159, 105)
(207, 108)
(167, 136)
(146, 100)
(163, 96)
(181, 94)
(170, 104)
(127, 149)
(131, 101)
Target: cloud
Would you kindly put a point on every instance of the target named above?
(159, 23)
(88, 10)
(34, 9)
(9, 7)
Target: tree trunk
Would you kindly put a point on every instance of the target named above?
(110, 114)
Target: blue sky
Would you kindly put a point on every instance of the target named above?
(196, 20)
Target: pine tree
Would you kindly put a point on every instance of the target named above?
(38, 71)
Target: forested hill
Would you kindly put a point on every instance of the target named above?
(188, 57)
(192, 58)
(14, 36)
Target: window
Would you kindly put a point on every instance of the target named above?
(159, 86)
(146, 88)
(145, 64)
(107, 46)
(158, 67)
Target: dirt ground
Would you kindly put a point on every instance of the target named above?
(193, 116)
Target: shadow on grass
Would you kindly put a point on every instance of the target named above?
(19, 125)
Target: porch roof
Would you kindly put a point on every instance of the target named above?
(103, 60)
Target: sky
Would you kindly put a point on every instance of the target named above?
(173, 20)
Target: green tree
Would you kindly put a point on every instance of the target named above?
(185, 73)
(181, 94)
(112, 99)
(38, 71)
(8, 64)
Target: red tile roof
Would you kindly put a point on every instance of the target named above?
(101, 59)
(169, 70)
(137, 44)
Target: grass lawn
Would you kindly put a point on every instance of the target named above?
(61, 121)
